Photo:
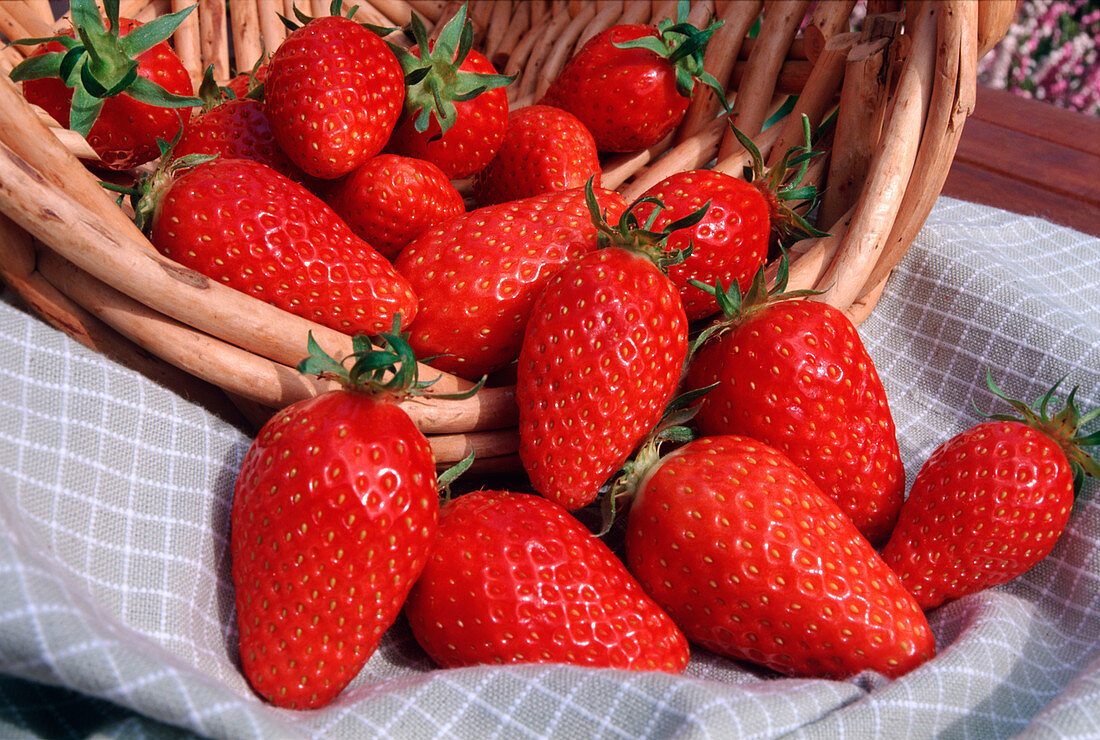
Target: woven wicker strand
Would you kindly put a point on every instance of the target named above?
(899, 90)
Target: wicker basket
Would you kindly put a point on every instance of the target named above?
(901, 88)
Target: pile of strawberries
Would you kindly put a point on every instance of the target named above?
(736, 437)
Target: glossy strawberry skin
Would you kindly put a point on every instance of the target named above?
(729, 244)
(333, 93)
(986, 506)
(754, 562)
(244, 224)
(236, 129)
(545, 150)
(334, 513)
(478, 275)
(473, 139)
(125, 133)
(796, 376)
(514, 578)
(390, 200)
(627, 98)
(601, 359)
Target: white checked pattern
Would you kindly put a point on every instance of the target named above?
(116, 604)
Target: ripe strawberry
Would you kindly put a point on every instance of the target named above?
(456, 110)
(333, 93)
(601, 358)
(754, 562)
(244, 224)
(334, 513)
(991, 502)
(390, 200)
(234, 128)
(631, 84)
(545, 149)
(795, 375)
(514, 578)
(477, 275)
(114, 86)
(729, 245)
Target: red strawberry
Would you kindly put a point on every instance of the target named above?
(477, 275)
(601, 358)
(728, 245)
(754, 562)
(991, 502)
(121, 115)
(456, 110)
(514, 578)
(795, 375)
(545, 149)
(234, 127)
(244, 224)
(631, 84)
(333, 93)
(334, 514)
(390, 200)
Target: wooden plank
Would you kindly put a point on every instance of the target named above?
(1043, 120)
(977, 185)
(1029, 157)
(1025, 156)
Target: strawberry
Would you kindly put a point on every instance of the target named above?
(235, 128)
(514, 578)
(631, 84)
(794, 374)
(545, 149)
(390, 200)
(731, 243)
(477, 275)
(242, 223)
(601, 358)
(753, 561)
(333, 93)
(117, 86)
(456, 110)
(334, 513)
(728, 245)
(992, 501)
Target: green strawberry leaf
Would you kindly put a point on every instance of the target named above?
(149, 34)
(150, 92)
(433, 80)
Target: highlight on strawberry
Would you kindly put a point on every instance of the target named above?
(753, 561)
(602, 356)
(334, 514)
(120, 85)
(631, 84)
(514, 578)
(794, 374)
(993, 500)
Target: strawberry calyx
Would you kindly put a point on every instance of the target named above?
(684, 46)
(736, 308)
(384, 364)
(301, 18)
(101, 63)
(1063, 426)
(433, 80)
(633, 235)
(782, 187)
(672, 429)
(148, 192)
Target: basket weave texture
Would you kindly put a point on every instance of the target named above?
(898, 78)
